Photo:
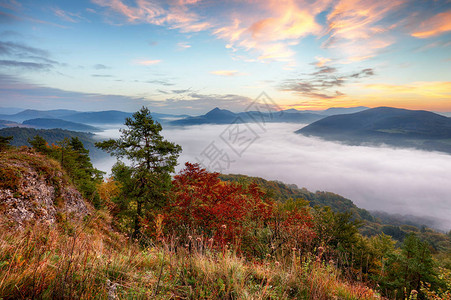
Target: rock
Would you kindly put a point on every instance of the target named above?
(39, 197)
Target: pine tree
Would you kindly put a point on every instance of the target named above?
(152, 159)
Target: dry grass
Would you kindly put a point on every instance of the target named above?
(88, 261)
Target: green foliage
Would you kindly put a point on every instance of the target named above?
(152, 158)
(283, 192)
(4, 142)
(22, 137)
(74, 158)
(408, 269)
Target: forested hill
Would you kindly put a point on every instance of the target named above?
(386, 125)
(22, 135)
(282, 192)
(396, 226)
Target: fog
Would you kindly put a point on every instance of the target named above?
(404, 181)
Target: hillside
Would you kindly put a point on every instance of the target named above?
(22, 135)
(35, 189)
(385, 125)
(373, 223)
(55, 246)
(6, 124)
(43, 123)
(282, 192)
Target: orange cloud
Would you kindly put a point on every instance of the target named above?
(272, 29)
(430, 89)
(226, 73)
(321, 61)
(355, 30)
(434, 26)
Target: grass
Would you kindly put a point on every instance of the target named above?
(92, 262)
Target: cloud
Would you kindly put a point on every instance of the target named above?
(21, 50)
(183, 45)
(364, 73)
(404, 181)
(161, 82)
(430, 89)
(180, 91)
(11, 4)
(25, 57)
(32, 96)
(271, 30)
(322, 83)
(434, 26)
(100, 67)
(228, 73)
(68, 16)
(25, 65)
(102, 75)
(176, 15)
(321, 61)
(148, 62)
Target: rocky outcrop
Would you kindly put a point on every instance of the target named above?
(35, 189)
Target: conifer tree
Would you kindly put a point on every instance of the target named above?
(152, 159)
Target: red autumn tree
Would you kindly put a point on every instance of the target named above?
(203, 204)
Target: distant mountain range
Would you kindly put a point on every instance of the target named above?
(80, 121)
(223, 116)
(44, 123)
(385, 125)
(71, 119)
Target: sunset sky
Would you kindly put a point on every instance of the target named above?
(189, 56)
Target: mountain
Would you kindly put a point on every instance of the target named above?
(215, 116)
(343, 110)
(386, 125)
(43, 123)
(33, 114)
(98, 117)
(223, 116)
(6, 124)
(52, 136)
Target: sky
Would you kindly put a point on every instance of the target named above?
(189, 56)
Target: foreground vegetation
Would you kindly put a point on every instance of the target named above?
(81, 261)
(195, 236)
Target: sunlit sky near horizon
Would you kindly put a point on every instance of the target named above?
(189, 56)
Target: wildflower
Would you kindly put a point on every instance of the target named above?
(294, 249)
(199, 239)
(277, 263)
(211, 240)
(224, 226)
(190, 237)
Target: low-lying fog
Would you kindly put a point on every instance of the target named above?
(404, 181)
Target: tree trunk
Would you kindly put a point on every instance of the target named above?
(137, 231)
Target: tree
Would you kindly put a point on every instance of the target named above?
(74, 158)
(407, 270)
(4, 142)
(40, 144)
(145, 181)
